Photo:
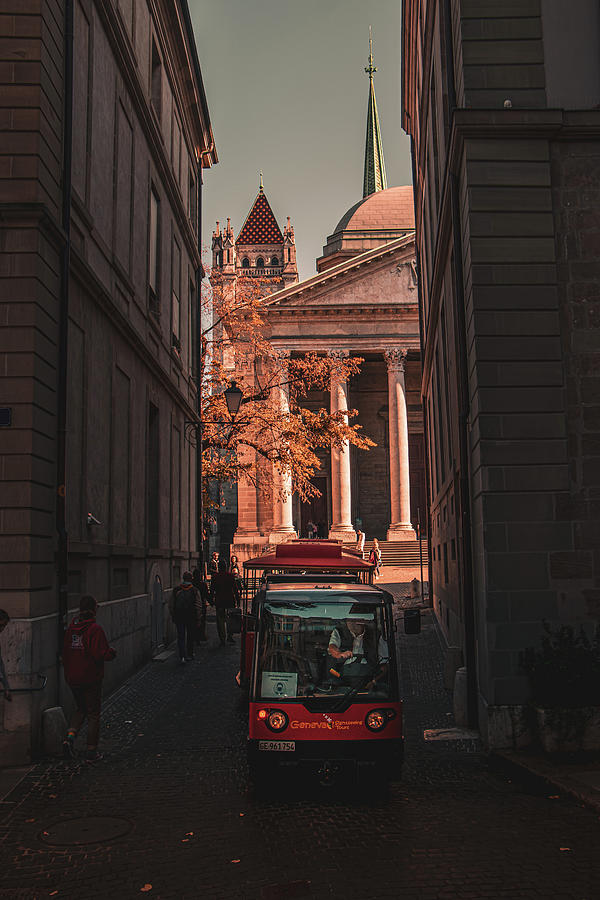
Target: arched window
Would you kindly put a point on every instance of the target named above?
(245, 263)
(274, 261)
(260, 263)
(220, 258)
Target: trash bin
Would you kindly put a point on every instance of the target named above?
(412, 621)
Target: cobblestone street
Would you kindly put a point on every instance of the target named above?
(175, 771)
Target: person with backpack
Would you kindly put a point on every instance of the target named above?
(85, 650)
(184, 616)
(224, 595)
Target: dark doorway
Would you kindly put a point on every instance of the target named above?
(315, 510)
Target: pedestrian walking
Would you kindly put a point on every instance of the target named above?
(4, 620)
(310, 529)
(224, 595)
(183, 614)
(85, 650)
(360, 541)
(202, 598)
(375, 557)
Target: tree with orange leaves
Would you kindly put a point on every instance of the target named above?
(275, 425)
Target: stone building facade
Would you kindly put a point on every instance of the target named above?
(99, 203)
(501, 102)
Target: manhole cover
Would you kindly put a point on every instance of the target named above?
(91, 830)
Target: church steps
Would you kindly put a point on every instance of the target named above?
(398, 553)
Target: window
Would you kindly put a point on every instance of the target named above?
(176, 149)
(192, 200)
(274, 261)
(260, 263)
(152, 475)
(120, 577)
(452, 549)
(445, 563)
(245, 263)
(192, 324)
(156, 83)
(154, 250)
(294, 664)
(175, 294)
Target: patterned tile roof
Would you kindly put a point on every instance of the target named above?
(261, 225)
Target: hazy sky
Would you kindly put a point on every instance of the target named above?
(287, 95)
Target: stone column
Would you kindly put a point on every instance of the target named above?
(400, 527)
(283, 523)
(341, 527)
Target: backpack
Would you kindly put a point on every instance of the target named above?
(183, 603)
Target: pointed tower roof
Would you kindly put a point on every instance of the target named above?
(374, 177)
(261, 225)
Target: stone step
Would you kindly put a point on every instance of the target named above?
(399, 553)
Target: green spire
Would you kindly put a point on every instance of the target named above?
(374, 179)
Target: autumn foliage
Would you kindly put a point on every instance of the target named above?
(284, 420)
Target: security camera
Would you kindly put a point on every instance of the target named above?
(92, 520)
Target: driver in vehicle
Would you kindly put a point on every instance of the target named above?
(353, 647)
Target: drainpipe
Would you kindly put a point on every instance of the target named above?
(423, 409)
(463, 522)
(62, 554)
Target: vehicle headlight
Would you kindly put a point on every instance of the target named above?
(376, 720)
(277, 720)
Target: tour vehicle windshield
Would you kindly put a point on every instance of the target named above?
(310, 646)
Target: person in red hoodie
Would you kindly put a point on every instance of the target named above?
(85, 650)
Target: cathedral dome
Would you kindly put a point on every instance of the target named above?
(375, 220)
(383, 209)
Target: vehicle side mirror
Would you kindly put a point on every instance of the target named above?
(412, 621)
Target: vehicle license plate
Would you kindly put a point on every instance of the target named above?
(290, 746)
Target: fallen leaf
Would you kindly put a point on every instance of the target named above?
(185, 840)
(189, 833)
(52, 796)
(242, 814)
(146, 888)
(553, 796)
(235, 860)
(30, 820)
(53, 893)
(140, 734)
(564, 848)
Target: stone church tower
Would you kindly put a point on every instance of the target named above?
(260, 251)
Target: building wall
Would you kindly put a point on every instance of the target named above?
(129, 390)
(506, 230)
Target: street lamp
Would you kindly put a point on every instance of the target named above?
(233, 399)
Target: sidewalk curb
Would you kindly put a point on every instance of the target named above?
(546, 775)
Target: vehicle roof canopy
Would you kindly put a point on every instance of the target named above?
(326, 556)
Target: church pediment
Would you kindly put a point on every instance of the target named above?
(382, 277)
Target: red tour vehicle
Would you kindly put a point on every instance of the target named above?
(319, 659)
